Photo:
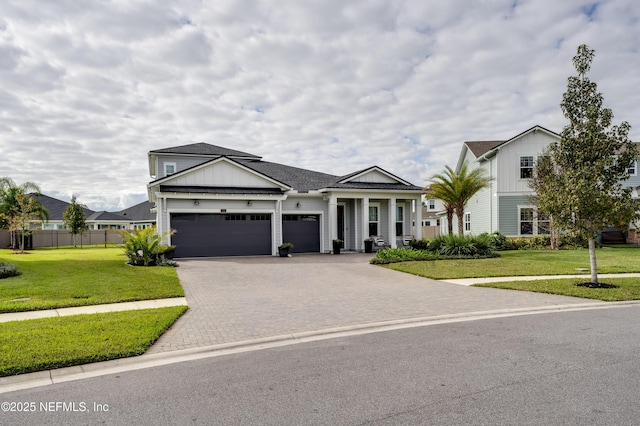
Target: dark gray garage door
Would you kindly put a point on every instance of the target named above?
(303, 231)
(208, 235)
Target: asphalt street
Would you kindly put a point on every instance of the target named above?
(570, 368)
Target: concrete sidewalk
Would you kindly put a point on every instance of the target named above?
(472, 281)
(94, 309)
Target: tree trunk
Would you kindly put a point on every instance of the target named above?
(460, 215)
(592, 260)
(450, 222)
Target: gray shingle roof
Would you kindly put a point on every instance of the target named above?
(202, 148)
(295, 177)
(479, 148)
(139, 212)
(302, 180)
(56, 207)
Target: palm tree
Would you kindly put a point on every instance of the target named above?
(455, 190)
(442, 187)
(468, 184)
(9, 201)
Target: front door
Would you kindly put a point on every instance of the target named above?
(341, 224)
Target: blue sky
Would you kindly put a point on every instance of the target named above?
(86, 91)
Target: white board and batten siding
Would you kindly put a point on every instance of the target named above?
(224, 174)
(530, 144)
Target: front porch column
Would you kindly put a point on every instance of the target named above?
(333, 219)
(365, 218)
(392, 223)
(417, 232)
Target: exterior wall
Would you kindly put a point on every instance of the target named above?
(483, 204)
(223, 174)
(182, 163)
(508, 213)
(374, 177)
(508, 177)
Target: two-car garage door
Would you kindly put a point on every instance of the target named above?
(214, 235)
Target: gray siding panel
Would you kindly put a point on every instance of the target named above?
(508, 213)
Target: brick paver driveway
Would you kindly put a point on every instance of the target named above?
(235, 299)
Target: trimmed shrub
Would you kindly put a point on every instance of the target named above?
(465, 245)
(8, 270)
(422, 244)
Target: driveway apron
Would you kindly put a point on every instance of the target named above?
(236, 299)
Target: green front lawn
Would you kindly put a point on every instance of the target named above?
(527, 263)
(47, 343)
(56, 278)
(628, 288)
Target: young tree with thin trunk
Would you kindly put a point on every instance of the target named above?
(21, 217)
(583, 188)
(73, 218)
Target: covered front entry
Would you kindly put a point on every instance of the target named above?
(214, 235)
(303, 231)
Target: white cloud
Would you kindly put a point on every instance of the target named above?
(327, 85)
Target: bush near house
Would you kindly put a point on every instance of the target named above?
(144, 247)
(443, 247)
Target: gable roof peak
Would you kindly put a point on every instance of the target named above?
(203, 148)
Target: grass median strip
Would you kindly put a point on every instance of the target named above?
(526, 263)
(627, 288)
(64, 277)
(43, 344)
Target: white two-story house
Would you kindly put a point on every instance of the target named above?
(505, 206)
(223, 202)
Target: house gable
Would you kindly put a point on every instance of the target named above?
(221, 173)
(372, 175)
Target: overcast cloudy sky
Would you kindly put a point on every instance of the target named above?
(88, 88)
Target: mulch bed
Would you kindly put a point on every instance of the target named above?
(597, 285)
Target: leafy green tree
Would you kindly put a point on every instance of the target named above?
(581, 184)
(73, 218)
(21, 216)
(9, 194)
(457, 188)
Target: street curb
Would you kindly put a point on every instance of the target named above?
(61, 375)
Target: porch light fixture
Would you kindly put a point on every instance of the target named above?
(298, 204)
(196, 202)
(249, 203)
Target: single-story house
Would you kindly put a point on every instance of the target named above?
(223, 202)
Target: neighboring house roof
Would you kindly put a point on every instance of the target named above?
(55, 207)
(139, 212)
(202, 148)
(106, 216)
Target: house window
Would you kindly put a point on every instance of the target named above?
(426, 223)
(467, 221)
(399, 220)
(432, 204)
(373, 220)
(633, 170)
(526, 221)
(169, 168)
(526, 167)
